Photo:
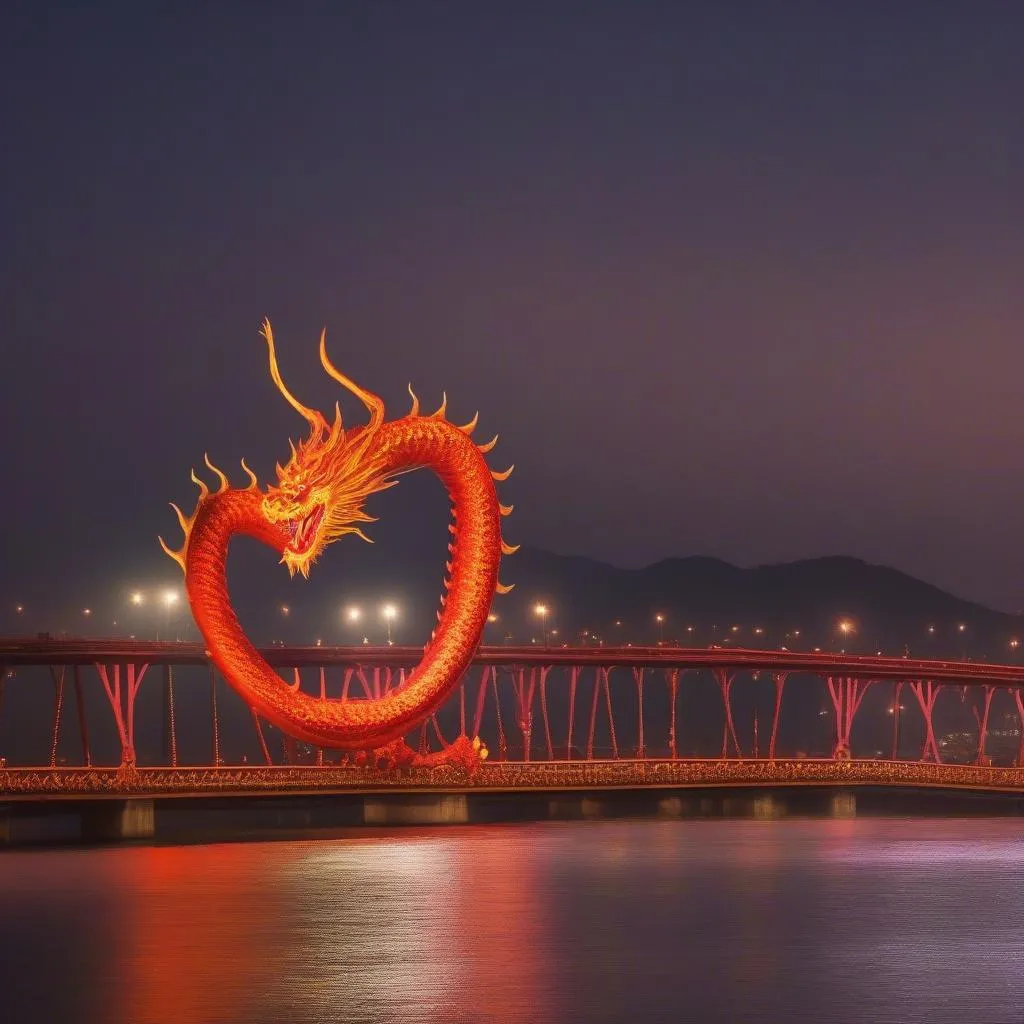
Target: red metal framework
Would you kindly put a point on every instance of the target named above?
(548, 715)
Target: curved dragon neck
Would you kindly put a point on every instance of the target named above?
(475, 549)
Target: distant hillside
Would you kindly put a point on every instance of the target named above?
(888, 609)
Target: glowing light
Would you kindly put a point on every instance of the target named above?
(353, 614)
(540, 610)
(962, 627)
(285, 610)
(659, 618)
(137, 598)
(846, 627)
(171, 598)
(492, 617)
(87, 612)
(19, 608)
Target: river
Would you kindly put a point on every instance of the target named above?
(880, 920)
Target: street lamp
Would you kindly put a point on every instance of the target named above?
(660, 620)
(390, 613)
(541, 611)
(137, 598)
(170, 599)
(847, 628)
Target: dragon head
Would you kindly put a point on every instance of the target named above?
(321, 491)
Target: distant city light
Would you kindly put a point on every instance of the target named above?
(962, 627)
(19, 608)
(87, 611)
(285, 610)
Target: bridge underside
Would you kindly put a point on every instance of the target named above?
(34, 784)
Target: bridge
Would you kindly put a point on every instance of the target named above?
(553, 719)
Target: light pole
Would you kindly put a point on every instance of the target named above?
(660, 620)
(390, 613)
(170, 600)
(847, 629)
(541, 611)
(354, 615)
(136, 599)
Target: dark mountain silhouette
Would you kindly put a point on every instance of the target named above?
(886, 608)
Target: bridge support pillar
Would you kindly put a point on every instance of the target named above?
(670, 807)
(416, 809)
(843, 805)
(768, 807)
(108, 820)
(573, 807)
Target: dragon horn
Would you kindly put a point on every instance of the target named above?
(315, 419)
(373, 403)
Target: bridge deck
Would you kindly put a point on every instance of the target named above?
(32, 651)
(36, 784)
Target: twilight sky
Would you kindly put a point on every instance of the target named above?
(733, 279)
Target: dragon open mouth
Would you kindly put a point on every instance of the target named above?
(304, 530)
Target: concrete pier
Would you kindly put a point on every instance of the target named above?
(844, 805)
(118, 819)
(416, 809)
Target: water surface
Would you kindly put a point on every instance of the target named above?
(898, 921)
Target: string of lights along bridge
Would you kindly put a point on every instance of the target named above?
(162, 613)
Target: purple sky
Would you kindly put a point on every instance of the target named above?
(726, 282)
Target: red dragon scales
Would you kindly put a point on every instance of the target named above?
(319, 496)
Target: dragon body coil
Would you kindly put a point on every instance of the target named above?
(319, 496)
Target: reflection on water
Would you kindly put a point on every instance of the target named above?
(857, 920)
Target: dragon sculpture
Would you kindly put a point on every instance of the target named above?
(319, 496)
